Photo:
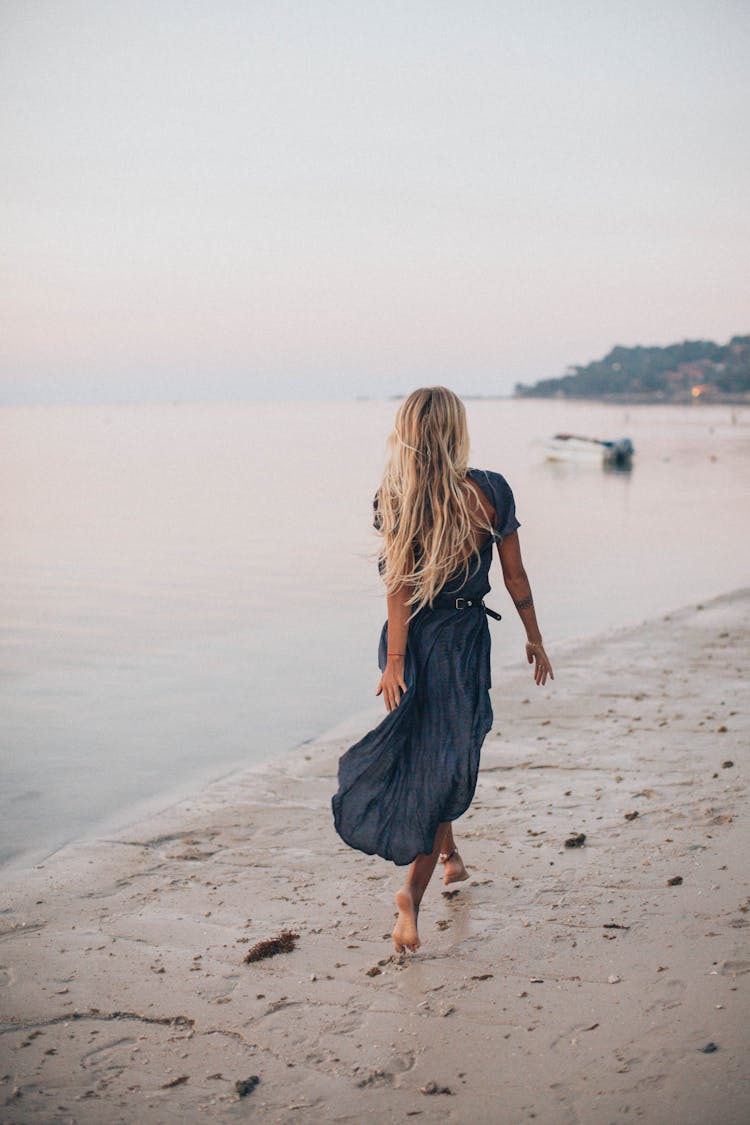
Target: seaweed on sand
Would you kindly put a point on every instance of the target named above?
(283, 943)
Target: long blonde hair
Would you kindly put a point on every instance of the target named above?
(426, 511)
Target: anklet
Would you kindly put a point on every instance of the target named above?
(445, 856)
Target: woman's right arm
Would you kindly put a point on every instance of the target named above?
(518, 586)
(392, 684)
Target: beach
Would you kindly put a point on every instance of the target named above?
(602, 981)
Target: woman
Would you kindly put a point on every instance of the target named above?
(404, 783)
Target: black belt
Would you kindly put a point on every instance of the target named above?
(476, 603)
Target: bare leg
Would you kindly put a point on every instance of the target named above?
(455, 872)
(408, 899)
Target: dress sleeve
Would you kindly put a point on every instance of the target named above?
(505, 506)
(377, 523)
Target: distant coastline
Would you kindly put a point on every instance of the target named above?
(692, 371)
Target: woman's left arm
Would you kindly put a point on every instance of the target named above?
(392, 683)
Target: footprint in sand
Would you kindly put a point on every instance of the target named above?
(734, 968)
(108, 1060)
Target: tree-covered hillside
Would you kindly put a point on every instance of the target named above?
(694, 369)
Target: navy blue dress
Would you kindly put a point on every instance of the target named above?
(418, 767)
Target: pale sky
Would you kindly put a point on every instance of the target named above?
(228, 199)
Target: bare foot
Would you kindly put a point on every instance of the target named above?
(455, 872)
(405, 934)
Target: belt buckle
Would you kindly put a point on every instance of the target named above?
(466, 603)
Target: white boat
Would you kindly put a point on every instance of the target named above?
(571, 447)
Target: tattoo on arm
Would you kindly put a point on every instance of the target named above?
(525, 603)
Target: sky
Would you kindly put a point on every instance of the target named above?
(235, 199)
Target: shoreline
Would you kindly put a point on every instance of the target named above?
(350, 727)
(124, 992)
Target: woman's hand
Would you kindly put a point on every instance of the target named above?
(536, 655)
(392, 684)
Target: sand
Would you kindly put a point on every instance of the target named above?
(559, 985)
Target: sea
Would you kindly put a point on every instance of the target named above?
(188, 590)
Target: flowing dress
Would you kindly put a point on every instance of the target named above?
(419, 766)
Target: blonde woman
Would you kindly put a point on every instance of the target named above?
(404, 783)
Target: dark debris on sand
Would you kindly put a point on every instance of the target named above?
(433, 1088)
(245, 1086)
(576, 841)
(283, 943)
(176, 1082)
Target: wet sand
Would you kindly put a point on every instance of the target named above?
(558, 985)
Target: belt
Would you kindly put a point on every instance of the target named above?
(476, 603)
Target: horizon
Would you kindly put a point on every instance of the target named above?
(339, 397)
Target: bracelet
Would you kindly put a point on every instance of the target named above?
(396, 654)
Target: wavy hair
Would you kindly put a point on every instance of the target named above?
(425, 509)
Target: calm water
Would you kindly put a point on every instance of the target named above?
(191, 589)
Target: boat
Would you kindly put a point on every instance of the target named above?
(572, 447)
